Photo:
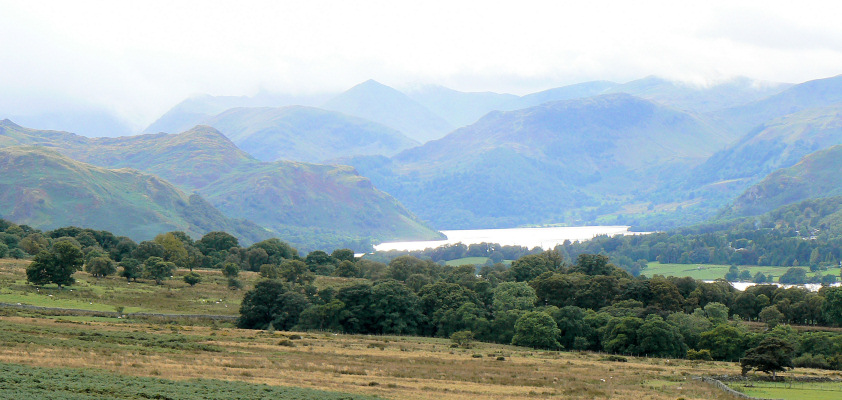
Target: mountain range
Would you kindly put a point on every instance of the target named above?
(42, 188)
(293, 199)
(649, 152)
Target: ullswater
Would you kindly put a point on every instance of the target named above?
(545, 238)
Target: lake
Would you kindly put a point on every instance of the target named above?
(546, 238)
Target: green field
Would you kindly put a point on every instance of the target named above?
(793, 390)
(468, 261)
(716, 271)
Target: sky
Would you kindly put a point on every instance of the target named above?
(139, 58)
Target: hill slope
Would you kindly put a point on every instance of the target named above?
(779, 143)
(42, 188)
(306, 134)
(376, 102)
(811, 94)
(545, 164)
(293, 199)
(192, 111)
(459, 108)
(815, 176)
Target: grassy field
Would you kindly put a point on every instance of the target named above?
(24, 382)
(211, 296)
(715, 271)
(792, 390)
(468, 261)
(385, 366)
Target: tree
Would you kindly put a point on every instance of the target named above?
(531, 266)
(463, 339)
(771, 316)
(192, 278)
(148, 249)
(794, 276)
(270, 271)
(56, 266)
(174, 249)
(772, 355)
(395, 308)
(347, 269)
(343, 255)
(277, 250)
(216, 241)
(100, 266)
(260, 305)
(536, 329)
(230, 270)
(724, 341)
(158, 269)
(296, 272)
(132, 269)
(513, 296)
(832, 307)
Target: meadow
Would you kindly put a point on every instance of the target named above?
(791, 390)
(78, 357)
(717, 271)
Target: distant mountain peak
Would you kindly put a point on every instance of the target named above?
(9, 124)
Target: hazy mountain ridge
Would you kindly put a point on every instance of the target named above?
(47, 190)
(195, 109)
(306, 134)
(779, 143)
(552, 161)
(811, 94)
(376, 102)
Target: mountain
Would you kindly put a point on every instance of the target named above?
(811, 94)
(91, 122)
(557, 162)
(778, 143)
(569, 92)
(306, 134)
(459, 108)
(293, 199)
(44, 189)
(700, 98)
(376, 102)
(815, 176)
(194, 110)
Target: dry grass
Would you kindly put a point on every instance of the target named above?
(391, 367)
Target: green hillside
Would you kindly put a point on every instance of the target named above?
(293, 199)
(43, 189)
(306, 134)
(815, 176)
(779, 143)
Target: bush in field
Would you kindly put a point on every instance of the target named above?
(192, 278)
(464, 339)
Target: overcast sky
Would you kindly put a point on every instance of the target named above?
(139, 58)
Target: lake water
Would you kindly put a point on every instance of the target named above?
(813, 287)
(546, 238)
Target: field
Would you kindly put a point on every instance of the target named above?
(80, 354)
(792, 390)
(211, 296)
(390, 367)
(714, 271)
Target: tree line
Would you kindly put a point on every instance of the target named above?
(544, 302)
